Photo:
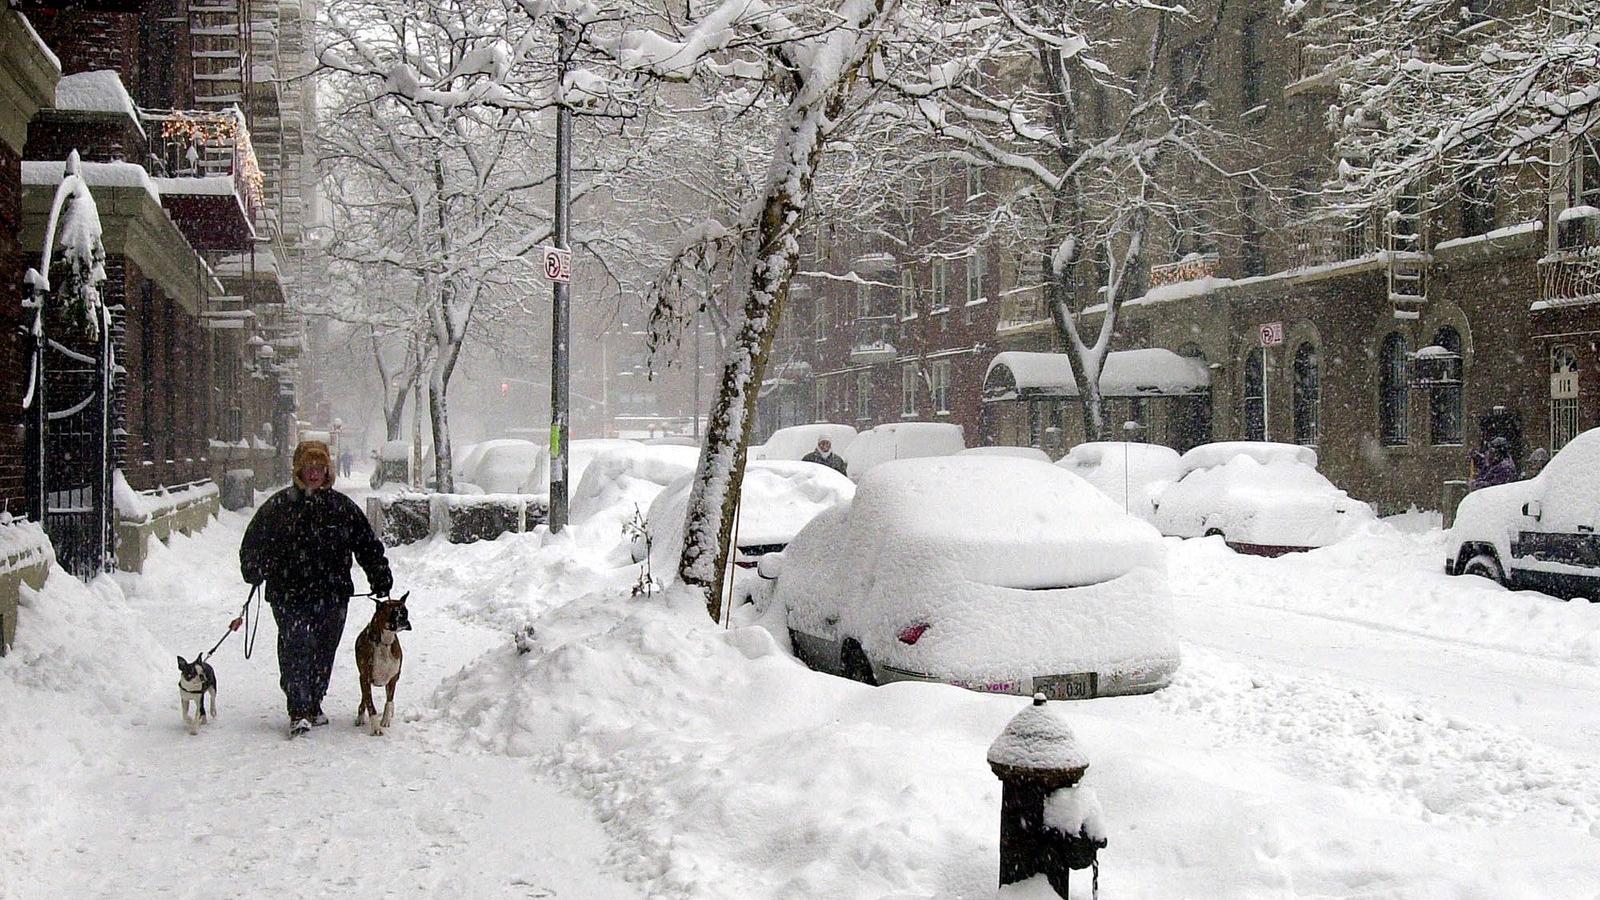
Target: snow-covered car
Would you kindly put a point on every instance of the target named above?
(988, 573)
(618, 480)
(777, 498)
(580, 454)
(503, 466)
(1538, 533)
(1033, 453)
(1131, 474)
(796, 441)
(902, 440)
(1262, 498)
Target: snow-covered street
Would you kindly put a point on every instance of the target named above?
(1347, 722)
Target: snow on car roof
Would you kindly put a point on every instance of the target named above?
(798, 440)
(1206, 456)
(620, 478)
(1003, 521)
(902, 440)
(1129, 473)
(1033, 453)
(777, 498)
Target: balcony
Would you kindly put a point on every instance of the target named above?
(1327, 243)
(1192, 267)
(206, 168)
(873, 340)
(1570, 276)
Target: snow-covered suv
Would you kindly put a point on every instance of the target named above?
(1538, 533)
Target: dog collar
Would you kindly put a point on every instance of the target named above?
(188, 691)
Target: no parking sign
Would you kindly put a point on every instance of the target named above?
(557, 264)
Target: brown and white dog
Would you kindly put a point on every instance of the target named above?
(378, 659)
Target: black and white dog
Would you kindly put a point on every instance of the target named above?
(196, 680)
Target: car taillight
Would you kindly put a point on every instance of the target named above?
(912, 633)
(745, 563)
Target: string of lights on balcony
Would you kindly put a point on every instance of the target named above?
(220, 129)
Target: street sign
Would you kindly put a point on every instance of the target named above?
(1271, 333)
(557, 264)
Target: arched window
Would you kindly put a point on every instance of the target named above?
(1394, 392)
(1307, 395)
(1443, 374)
(1255, 395)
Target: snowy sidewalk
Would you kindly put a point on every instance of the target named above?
(240, 811)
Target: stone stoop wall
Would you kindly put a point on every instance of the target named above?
(133, 538)
(11, 592)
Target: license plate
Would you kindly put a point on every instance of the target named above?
(1077, 686)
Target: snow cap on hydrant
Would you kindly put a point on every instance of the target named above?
(1038, 740)
(312, 453)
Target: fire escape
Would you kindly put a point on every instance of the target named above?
(1406, 254)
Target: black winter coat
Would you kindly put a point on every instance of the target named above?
(300, 544)
(832, 460)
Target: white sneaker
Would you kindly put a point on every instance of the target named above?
(299, 727)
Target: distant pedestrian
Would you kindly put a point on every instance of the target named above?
(824, 456)
(299, 544)
(347, 461)
(1493, 465)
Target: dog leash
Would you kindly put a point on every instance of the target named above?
(237, 623)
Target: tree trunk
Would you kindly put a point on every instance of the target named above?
(714, 500)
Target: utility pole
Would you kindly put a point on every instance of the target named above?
(559, 313)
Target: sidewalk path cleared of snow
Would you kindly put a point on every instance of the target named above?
(120, 801)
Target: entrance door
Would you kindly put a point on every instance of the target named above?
(76, 455)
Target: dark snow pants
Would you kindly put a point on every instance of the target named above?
(309, 630)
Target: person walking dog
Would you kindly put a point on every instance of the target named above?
(299, 543)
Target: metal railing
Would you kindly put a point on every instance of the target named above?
(204, 144)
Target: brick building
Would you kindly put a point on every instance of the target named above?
(164, 102)
(1396, 340)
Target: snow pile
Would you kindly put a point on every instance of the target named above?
(1131, 474)
(1209, 456)
(901, 440)
(623, 478)
(1038, 738)
(777, 499)
(82, 661)
(1125, 373)
(796, 441)
(1018, 569)
(1280, 502)
(145, 506)
(580, 454)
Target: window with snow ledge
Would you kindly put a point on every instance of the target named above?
(1439, 368)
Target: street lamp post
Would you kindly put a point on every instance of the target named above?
(559, 313)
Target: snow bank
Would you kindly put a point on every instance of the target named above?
(901, 440)
(82, 660)
(579, 455)
(1132, 474)
(798, 440)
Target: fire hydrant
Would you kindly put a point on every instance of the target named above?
(1049, 825)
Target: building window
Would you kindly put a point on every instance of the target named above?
(820, 316)
(1563, 395)
(908, 390)
(1441, 371)
(863, 301)
(1394, 392)
(1188, 73)
(1255, 256)
(908, 294)
(1255, 395)
(1478, 194)
(820, 399)
(941, 194)
(977, 266)
(939, 375)
(939, 284)
(974, 181)
(1307, 395)
(1253, 52)
(1583, 189)
(863, 394)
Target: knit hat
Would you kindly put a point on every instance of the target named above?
(312, 453)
